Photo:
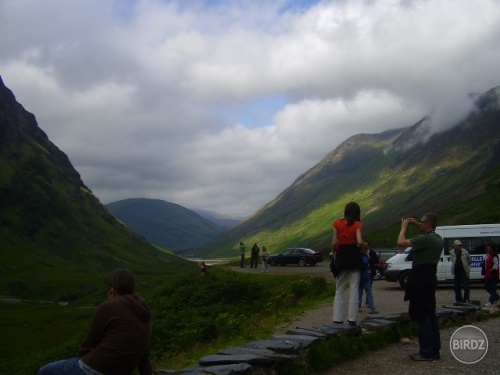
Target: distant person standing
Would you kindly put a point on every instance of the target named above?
(265, 258)
(242, 254)
(374, 259)
(365, 283)
(254, 256)
(347, 258)
(203, 267)
(490, 272)
(422, 284)
(460, 269)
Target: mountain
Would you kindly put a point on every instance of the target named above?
(219, 219)
(57, 240)
(398, 173)
(165, 224)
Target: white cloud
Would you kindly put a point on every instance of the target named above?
(145, 96)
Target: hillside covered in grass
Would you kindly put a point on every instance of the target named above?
(57, 240)
(165, 224)
(397, 173)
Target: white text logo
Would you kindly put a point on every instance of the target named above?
(469, 344)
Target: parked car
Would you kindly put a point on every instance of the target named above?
(383, 255)
(296, 255)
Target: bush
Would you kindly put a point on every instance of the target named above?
(194, 310)
(312, 287)
(186, 316)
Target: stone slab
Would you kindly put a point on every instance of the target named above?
(229, 359)
(304, 340)
(279, 346)
(257, 351)
(233, 369)
(302, 331)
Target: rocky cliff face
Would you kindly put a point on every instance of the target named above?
(19, 127)
(53, 230)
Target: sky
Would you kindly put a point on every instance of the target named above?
(220, 105)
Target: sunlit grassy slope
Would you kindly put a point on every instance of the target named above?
(395, 174)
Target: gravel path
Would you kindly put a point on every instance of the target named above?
(394, 359)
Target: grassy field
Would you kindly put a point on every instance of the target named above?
(193, 316)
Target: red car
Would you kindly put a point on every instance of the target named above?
(383, 255)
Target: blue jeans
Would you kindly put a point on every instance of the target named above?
(429, 340)
(66, 367)
(491, 287)
(367, 286)
(461, 279)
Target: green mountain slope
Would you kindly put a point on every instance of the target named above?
(398, 173)
(165, 224)
(56, 239)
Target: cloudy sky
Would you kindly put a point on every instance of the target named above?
(220, 104)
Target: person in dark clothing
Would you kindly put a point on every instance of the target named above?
(119, 336)
(422, 284)
(203, 267)
(254, 256)
(490, 272)
(374, 259)
(242, 254)
(460, 269)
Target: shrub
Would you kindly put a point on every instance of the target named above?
(312, 287)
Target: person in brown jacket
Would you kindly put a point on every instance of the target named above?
(119, 336)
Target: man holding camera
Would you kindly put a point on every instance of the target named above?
(422, 284)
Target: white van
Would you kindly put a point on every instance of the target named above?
(474, 239)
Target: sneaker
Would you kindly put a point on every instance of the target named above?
(373, 311)
(418, 357)
(351, 323)
(488, 305)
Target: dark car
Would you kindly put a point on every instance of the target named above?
(296, 255)
(383, 255)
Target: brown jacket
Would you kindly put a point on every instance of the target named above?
(119, 337)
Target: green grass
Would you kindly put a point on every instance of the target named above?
(29, 328)
(194, 315)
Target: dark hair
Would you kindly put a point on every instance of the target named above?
(432, 219)
(493, 246)
(123, 281)
(352, 213)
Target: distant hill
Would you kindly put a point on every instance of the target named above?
(165, 224)
(57, 240)
(221, 220)
(397, 173)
